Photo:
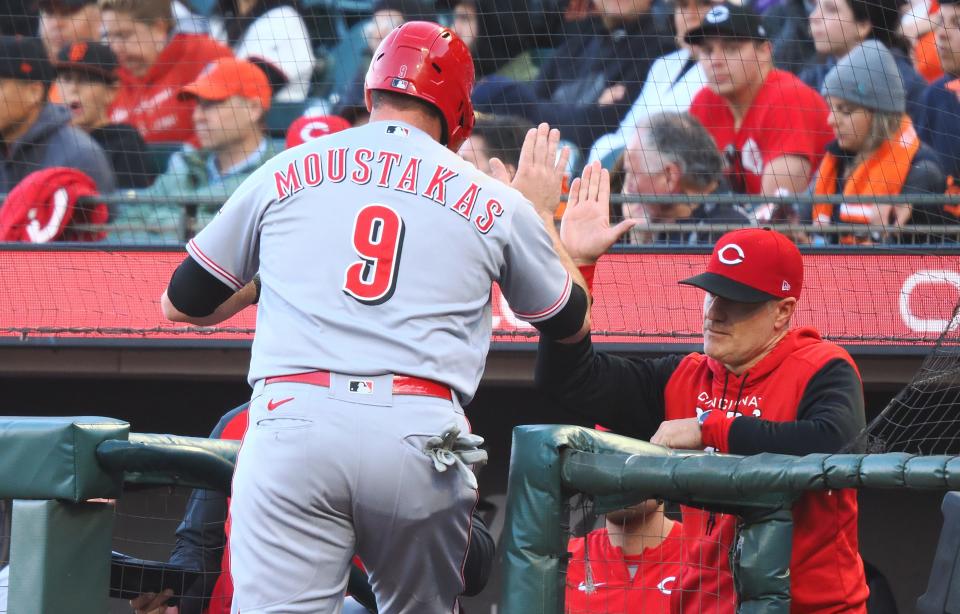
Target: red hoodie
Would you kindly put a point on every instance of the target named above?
(826, 570)
(150, 103)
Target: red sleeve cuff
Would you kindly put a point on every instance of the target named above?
(587, 271)
(715, 431)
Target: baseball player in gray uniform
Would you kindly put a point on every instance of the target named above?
(376, 248)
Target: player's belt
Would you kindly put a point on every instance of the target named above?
(402, 384)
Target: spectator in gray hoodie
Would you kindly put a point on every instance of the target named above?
(34, 133)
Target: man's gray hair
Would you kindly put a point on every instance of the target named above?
(680, 138)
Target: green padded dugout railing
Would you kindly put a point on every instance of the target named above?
(63, 475)
(549, 462)
(147, 458)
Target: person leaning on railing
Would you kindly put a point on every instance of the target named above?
(760, 385)
(876, 150)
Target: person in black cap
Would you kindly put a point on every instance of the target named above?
(36, 134)
(771, 128)
(87, 78)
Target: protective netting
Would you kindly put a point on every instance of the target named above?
(900, 299)
(924, 417)
(155, 539)
(167, 106)
(150, 551)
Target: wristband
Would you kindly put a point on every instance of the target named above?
(257, 285)
(715, 429)
(587, 271)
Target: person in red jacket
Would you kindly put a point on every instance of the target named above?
(771, 128)
(760, 385)
(154, 66)
(631, 564)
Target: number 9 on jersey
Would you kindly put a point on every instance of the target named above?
(377, 239)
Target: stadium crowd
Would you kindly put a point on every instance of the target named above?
(167, 105)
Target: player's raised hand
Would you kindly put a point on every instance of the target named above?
(540, 170)
(585, 228)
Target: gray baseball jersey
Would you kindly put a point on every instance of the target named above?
(379, 258)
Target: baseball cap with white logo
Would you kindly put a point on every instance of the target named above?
(752, 265)
(728, 20)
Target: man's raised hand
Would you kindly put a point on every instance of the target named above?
(585, 229)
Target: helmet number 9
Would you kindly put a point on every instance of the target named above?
(377, 239)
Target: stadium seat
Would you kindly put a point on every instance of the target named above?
(160, 154)
(281, 115)
(943, 587)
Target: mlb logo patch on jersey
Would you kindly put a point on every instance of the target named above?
(361, 386)
(398, 130)
(399, 84)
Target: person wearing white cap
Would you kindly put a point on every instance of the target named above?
(876, 150)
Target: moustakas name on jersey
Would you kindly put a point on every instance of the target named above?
(390, 170)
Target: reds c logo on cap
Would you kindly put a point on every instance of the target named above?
(724, 257)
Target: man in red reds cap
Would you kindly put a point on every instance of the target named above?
(760, 385)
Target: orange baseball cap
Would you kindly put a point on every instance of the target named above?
(228, 77)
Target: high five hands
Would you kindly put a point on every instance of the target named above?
(540, 170)
(585, 229)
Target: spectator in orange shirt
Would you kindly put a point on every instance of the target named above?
(154, 67)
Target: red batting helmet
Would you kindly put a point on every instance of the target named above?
(427, 61)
